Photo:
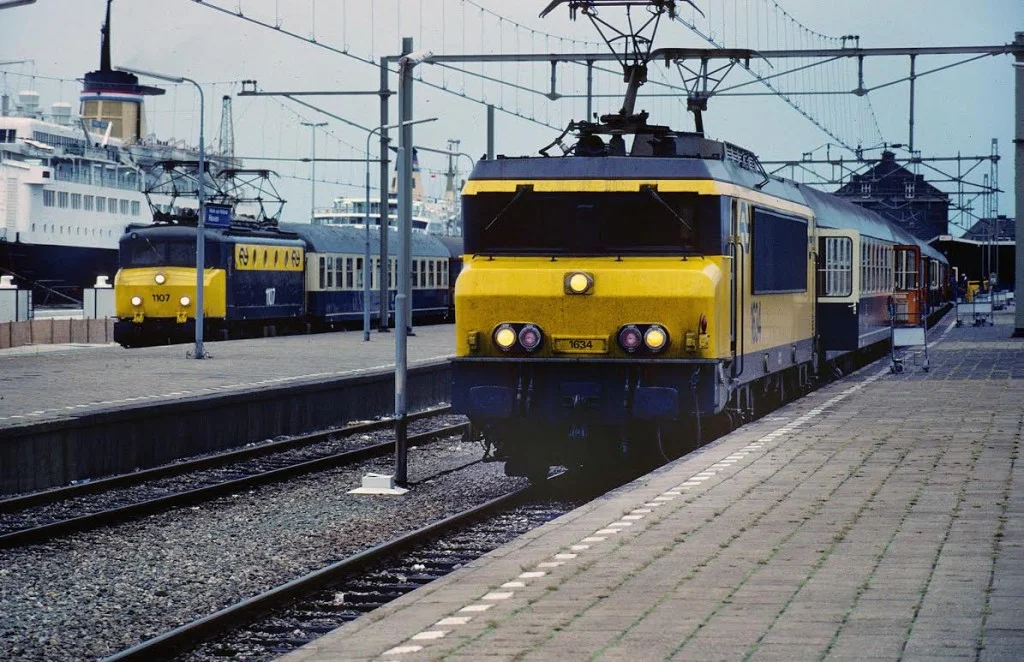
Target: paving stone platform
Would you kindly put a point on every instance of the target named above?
(881, 517)
(70, 381)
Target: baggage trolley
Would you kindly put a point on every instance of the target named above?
(905, 336)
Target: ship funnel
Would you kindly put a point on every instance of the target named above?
(61, 112)
(28, 101)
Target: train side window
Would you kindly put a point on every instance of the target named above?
(330, 273)
(774, 234)
(349, 276)
(415, 273)
(339, 268)
(323, 271)
(444, 273)
(359, 272)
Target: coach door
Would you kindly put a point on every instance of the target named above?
(907, 299)
(737, 253)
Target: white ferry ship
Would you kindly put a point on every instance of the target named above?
(70, 185)
(437, 217)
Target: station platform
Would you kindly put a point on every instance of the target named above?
(42, 383)
(880, 517)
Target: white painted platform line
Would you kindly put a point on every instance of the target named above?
(429, 635)
(472, 609)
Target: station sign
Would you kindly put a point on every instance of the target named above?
(218, 216)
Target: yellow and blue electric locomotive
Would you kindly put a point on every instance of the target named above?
(252, 276)
(605, 296)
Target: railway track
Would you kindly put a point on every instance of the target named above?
(279, 620)
(38, 517)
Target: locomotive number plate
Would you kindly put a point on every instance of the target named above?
(567, 345)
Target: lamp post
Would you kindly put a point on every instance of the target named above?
(312, 165)
(199, 352)
(383, 222)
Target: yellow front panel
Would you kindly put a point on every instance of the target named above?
(164, 300)
(261, 257)
(669, 291)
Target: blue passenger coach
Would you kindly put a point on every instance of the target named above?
(334, 273)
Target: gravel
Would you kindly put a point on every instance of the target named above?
(151, 489)
(93, 594)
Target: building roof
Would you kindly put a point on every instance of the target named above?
(888, 180)
(986, 229)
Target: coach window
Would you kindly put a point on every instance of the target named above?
(433, 268)
(838, 267)
(323, 272)
(359, 272)
(415, 273)
(349, 279)
(339, 267)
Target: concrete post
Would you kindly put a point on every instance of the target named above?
(1018, 184)
(382, 286)
(402, 309)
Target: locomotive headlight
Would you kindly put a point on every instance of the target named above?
(578, 283)
(184, 301)
(530, 337)
(136, 301)
(505, 337)
(630, 338)
(656, 338)
(160, 279)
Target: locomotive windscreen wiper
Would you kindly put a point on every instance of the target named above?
(521, 191)
(652, 190)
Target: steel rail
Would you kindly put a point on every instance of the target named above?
(205, 493)
(17, 503)
(170, 643)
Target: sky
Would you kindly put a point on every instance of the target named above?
(959, 110)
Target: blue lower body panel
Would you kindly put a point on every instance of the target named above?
(567, 392)
(548, 412)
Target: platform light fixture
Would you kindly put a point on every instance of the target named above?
(199, 352)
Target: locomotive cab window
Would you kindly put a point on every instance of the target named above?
(142, 251)
(583, 223)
